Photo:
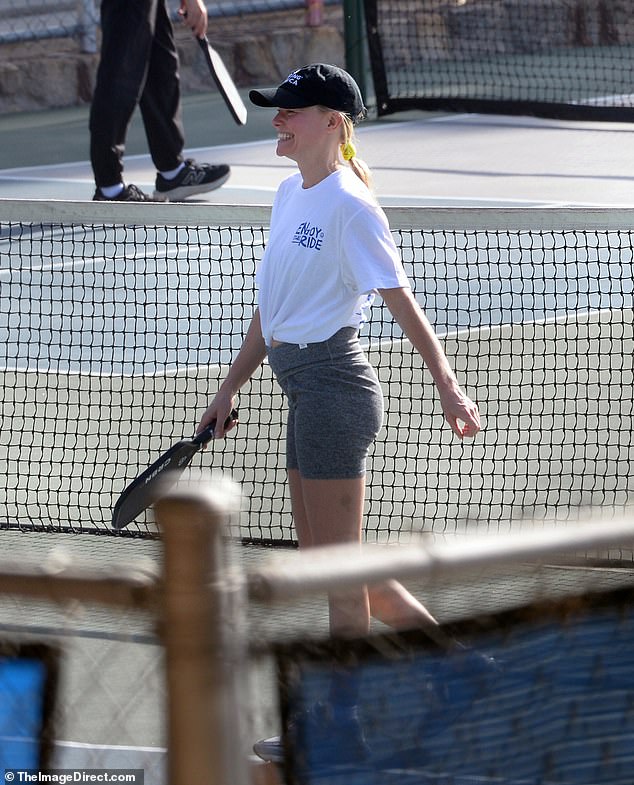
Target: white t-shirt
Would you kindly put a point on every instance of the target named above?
(329, 249)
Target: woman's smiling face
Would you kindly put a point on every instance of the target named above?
(300, 132)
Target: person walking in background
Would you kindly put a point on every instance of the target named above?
(139, 66)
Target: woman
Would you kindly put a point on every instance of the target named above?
(329, 251)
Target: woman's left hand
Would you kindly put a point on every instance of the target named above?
(461, 413)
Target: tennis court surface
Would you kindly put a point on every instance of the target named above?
(418, 158)
(117, 323)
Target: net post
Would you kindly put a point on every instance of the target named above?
(204, 635)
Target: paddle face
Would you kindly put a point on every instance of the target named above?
(224, 82)
(150, 485)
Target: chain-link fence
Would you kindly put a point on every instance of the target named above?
(37, 20)
(49, 50)
(33, 20)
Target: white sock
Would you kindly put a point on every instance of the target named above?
(173, 172)
(110, 191)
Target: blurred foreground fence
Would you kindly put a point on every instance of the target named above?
(193, 659)
(186, 687)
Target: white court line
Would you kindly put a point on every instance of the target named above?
(28, 179)
(167, 253)
(89, 181)
(75, 264)
(268, 141)
(603, 100)
(426, 200)
(121, 747)
(5, 173)
(499, 201)
(78, 755)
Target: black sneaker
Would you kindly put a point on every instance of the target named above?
(130, 193)
(192, 179)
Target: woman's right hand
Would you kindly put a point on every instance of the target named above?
(219, 410)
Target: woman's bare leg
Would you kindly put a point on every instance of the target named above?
(328, 512)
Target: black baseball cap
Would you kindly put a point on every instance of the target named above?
(318, 84)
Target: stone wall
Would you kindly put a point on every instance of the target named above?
(262, 49)
(257, 50)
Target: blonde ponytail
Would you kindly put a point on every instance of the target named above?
(349, 153)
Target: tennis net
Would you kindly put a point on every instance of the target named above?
(118, 321)
(566, 59)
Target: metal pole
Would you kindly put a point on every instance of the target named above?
(354, 37)
(204, 633)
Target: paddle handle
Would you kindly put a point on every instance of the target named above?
(207, 434)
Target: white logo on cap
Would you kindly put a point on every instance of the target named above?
(294, 78)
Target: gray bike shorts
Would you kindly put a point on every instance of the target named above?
(335, 405)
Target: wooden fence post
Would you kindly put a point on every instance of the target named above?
(204, 634)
